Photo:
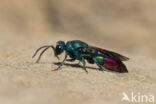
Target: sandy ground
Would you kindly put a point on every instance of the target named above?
(22, 81)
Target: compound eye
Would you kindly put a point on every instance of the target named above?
(59, 47)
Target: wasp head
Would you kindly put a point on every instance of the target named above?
(60, 47)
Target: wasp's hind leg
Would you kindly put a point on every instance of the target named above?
(100, 66)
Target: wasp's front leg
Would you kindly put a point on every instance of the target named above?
(62, 63)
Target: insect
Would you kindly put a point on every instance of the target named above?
(110, 60)
(78, 50)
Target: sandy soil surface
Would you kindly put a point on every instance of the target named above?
(124, 26)
(22, 81)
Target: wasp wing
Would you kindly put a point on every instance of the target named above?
(107, 53)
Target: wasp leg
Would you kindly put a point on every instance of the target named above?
(62, 63)
(100, 66)
(84, 65)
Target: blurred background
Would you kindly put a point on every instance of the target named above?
(123, 25)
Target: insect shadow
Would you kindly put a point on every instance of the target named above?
(79, 66)
(75, 65)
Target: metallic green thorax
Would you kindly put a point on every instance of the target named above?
(74, 49)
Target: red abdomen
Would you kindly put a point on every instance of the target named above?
(115, 65)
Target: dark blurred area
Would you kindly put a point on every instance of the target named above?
(125, 25)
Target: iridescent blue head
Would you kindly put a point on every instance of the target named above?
(60, 47)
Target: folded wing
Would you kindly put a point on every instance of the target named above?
(110, 54)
